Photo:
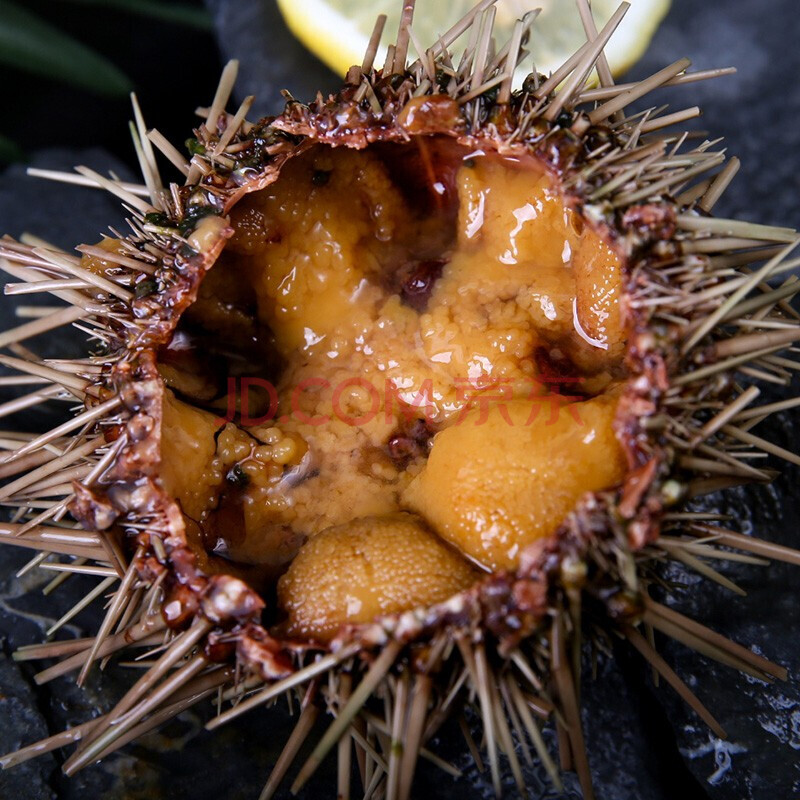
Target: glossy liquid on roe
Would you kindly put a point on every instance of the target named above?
(509, 282)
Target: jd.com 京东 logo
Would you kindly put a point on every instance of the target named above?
(474, 401)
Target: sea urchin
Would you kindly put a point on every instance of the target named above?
(397, 399)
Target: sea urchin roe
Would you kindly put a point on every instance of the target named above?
(371, 566)
(492, 486)
(225, 479)
(188, 472)
(527, 269)
(104, 267)
(390, 288)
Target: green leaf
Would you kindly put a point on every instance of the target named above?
(178, 13)
(10, 151)
(30, 44)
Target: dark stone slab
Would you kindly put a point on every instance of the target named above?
(270, 58)
(20, 709)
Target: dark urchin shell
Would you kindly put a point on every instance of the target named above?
(700, 320)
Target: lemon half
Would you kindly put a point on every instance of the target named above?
(337, 31)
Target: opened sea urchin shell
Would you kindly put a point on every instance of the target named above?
(491, 339)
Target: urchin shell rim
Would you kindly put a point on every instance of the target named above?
(708, 349)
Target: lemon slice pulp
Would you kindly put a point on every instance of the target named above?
(337, 31)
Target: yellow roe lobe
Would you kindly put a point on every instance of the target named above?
(493, 486)
(371, 566)
(527, 268)
(187, 453)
